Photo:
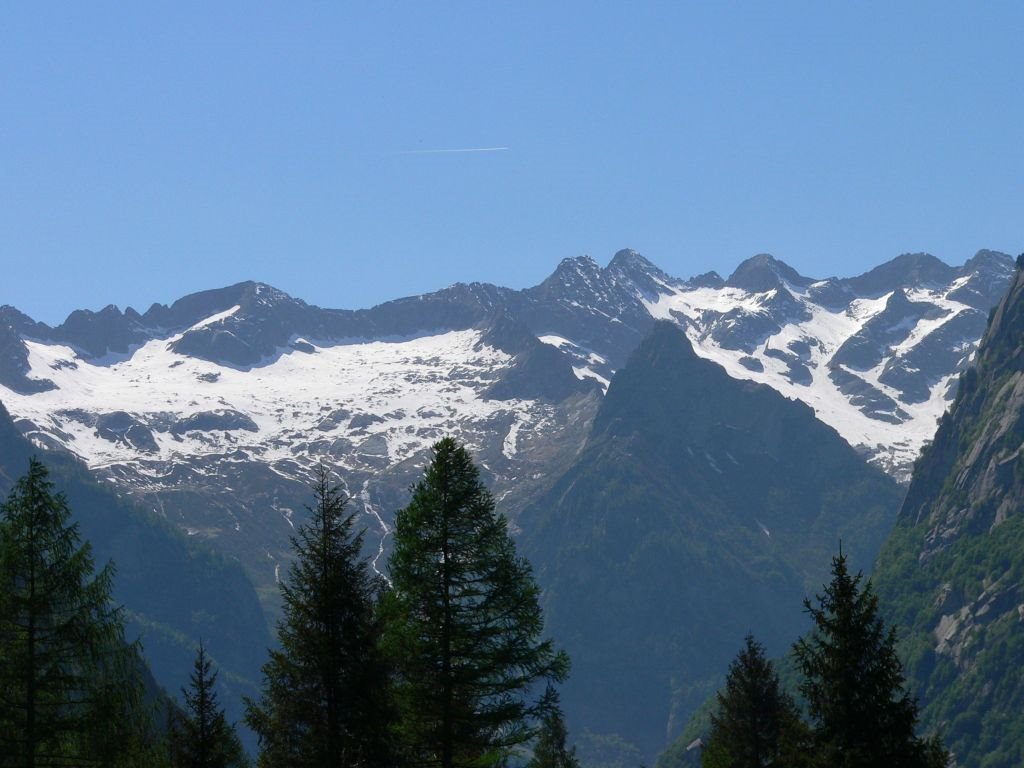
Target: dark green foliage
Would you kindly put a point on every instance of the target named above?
(465, 623)
(324, 689)
(201, 737)
(551, 750)
(755, 723)
(70, 690)
(854, 683)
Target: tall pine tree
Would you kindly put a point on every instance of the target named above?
(324, 690)
(201, 736)
(70, 688)
(854, 683)
(755, 724)
(465, 627)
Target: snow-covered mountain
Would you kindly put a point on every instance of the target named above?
(215, 409)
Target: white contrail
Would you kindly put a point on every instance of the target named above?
(452, 151)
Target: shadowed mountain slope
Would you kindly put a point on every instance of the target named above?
(701, 508)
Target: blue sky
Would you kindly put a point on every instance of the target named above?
(148, 150)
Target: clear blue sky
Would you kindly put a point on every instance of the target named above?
(148, 150)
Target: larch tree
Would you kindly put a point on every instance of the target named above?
(465, 624)
(863, 716)
(201, 736)
(324, 699)
(70, 688)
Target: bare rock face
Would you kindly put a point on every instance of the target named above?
(977, 448)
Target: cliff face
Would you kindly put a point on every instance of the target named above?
(971, 476)
(952, 574)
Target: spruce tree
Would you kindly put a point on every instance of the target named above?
(854, 683)
(755, 723)
(201, 736)
(465, 624)
(70, 687)
(324, 690)
(550, 750)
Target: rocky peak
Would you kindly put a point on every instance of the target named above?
(262, 297)
(190, 309)
(20, 322)
(764, 272)
(97, 333)
(706, 280)
(982, 280)
(988, 261)
(908, 270)
(627, 264)
(629, 269)
(897, 302)
(574, 268)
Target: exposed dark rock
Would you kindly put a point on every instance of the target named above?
(214, 421)
(752, 364)
(987, 273)
(363, 420)
(707, 280)
(334, 419)
(832, 294)
(14, 367)
(869, 399)
(97, 333)
(121, 427)
(873, 342)
(798, 373)
(764, 273)
(910, 270)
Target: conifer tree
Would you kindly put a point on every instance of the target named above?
(465, 626)
(755, 723)
(854, 683)
(550, 750)
(70, 688)
(201, 737)
(324, 690)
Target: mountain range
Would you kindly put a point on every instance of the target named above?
(214, 409)
(757, 418)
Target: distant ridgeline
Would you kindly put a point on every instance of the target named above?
(175, 591)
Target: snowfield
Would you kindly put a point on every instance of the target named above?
(394, 398)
